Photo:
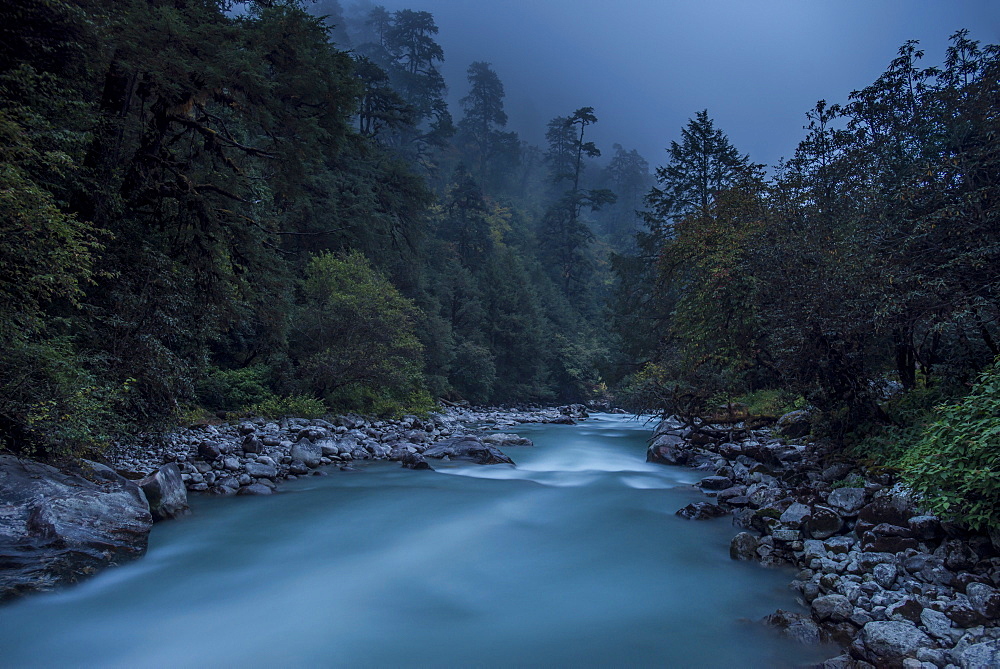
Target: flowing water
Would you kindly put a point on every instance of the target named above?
(572, 559)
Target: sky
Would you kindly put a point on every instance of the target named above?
(647, 66)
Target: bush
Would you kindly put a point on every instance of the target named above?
(354, 337)
(297, 406)
(955, 464)
(234, 389)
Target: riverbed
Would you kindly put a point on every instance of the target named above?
(572, 558)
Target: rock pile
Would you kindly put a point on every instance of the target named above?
(895, 586)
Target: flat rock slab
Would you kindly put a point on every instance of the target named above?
(60, 526)
(468, 448)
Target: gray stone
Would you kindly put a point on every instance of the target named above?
(794, 626)
(667, 449)
(795, 424)
(835, 608)
(503, 440)
(59, 525)
(743, 546)
(795, 515)
(255, 489)
(887, 643)
(251, 444)
(847, 501)
(260, 470)
(937, 624)
(823, 523)
(701, 511)
(468, 448)
(786, 534)
(885, 575)
(306, 452)
(209, 450)
(984, 654)
(984, 599)
(716, 482)
(232, 464)
(839, 545)
(166, 492)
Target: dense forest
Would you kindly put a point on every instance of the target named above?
(269, 207)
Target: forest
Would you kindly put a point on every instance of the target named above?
(269, 208)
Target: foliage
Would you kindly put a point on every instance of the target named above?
(353, 335)
(955, 465)
(298, 406)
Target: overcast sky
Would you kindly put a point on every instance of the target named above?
(646, 66)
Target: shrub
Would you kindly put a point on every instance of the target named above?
(354, 337)
(955, 464)
(298, 406)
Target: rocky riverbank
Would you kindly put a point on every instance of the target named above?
(59, 525)
(894, 586)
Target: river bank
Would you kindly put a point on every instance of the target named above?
(894, 586)
(61, 525)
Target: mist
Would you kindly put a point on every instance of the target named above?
(647, 66)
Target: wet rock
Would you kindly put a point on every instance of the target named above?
(414, 461)
(743, 547)
(255, 489)
(926, 528)
(60, 525)
(702, 511)
(667, 449)
(502, 440)
(715, 483)
(887, 643)
(468, 448)
(166, 493)
(795, 626)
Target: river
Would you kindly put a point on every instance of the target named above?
(572, 559)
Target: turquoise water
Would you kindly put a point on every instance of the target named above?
(572, 559)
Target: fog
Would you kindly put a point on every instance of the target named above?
(647, 66)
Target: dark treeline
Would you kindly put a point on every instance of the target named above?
(866, 267)
(269, 207)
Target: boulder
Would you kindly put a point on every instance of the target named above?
(502, 440)
(307, 452)
(743, 547)
(795, 424)
(835, 608)
(58, 526)
(468, 448)
(978, 655)
(715, 483)
(795, 626)
(261, 470)
(166, 493)
(823, 523)
(414, 461)
(667, 449)
(847, 501)
(255, 489)
(984, 599)
(701, 511)
(886, 643)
